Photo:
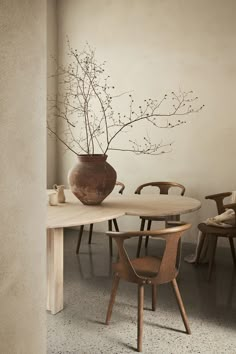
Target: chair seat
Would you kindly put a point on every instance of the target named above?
(217, 230)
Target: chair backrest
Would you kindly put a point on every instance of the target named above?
(121, 190)
(218, 198)
(167, 270)
(163, 187)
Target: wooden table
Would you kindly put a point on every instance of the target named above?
(74, 213)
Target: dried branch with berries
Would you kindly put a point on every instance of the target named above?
(89, 124)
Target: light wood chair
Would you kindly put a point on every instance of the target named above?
(110, 223)
(163, 188)
(213, 232)
(148, 270)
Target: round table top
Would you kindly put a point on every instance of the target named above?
(74, 213)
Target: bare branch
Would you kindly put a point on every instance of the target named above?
(85, 105)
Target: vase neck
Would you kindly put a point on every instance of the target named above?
(92, 158)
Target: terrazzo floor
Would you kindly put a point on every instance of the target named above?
(80, 329)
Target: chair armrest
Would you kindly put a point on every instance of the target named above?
(215, 196)
(218, 198)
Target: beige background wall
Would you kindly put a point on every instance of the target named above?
(23, 176)
(153, 47)
(52, 44)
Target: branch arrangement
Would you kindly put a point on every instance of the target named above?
(84, 106)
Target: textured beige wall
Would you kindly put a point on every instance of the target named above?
(155, 46)
(23, 176)
(51, 88)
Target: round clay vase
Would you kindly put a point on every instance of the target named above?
(92, 179)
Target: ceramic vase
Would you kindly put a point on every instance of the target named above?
(92, 179)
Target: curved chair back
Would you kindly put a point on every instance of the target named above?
(163, 187)
(121, 190)
(158, 273)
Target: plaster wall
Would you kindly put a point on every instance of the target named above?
(154, 47)
(23, 176)
(52, 45)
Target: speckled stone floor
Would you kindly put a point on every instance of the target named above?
(80, 329)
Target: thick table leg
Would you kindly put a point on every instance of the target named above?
(55, 270)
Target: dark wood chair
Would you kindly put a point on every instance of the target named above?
(148, 270)
(163, 188)
(110, 223)
(213, 232)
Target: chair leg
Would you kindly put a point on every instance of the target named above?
(231, 242)
(110, 239)
(115, 285)
(79, 238)
(139, 246)
(213, 244)
(110, 247)
(116, 225)
(181, 305)
(140, 238)
(117, 229)
(140, 316)
(148, 228)
(154, 297)
(90, 233)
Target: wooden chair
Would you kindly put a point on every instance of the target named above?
(213, 232)
(164, 188)
(148, 270)
(110, 222)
